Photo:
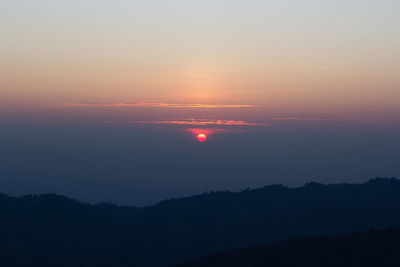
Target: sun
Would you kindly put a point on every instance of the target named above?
(201, 137)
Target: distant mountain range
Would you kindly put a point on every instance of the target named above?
(368, 249)
(51, 230)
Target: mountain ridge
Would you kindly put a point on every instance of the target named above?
(42, 228)
(378, 180)
(372, 248)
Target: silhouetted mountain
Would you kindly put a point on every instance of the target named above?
(373, 248)
(50, 230)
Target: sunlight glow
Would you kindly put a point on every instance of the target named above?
(201, 137)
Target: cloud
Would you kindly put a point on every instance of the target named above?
(204, 122)
(154, 104)
(310, 119)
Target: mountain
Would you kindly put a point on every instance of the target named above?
(368, 249)
(50, 230)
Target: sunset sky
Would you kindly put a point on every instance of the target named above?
(167, 67)
(324, 56)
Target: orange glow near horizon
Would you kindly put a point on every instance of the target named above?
(155, 104)
(204, 122)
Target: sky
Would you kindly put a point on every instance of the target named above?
(103, 100)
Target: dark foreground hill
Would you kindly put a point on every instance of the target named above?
(50, 230)
(374, 248)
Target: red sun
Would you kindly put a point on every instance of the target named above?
(201, 137)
